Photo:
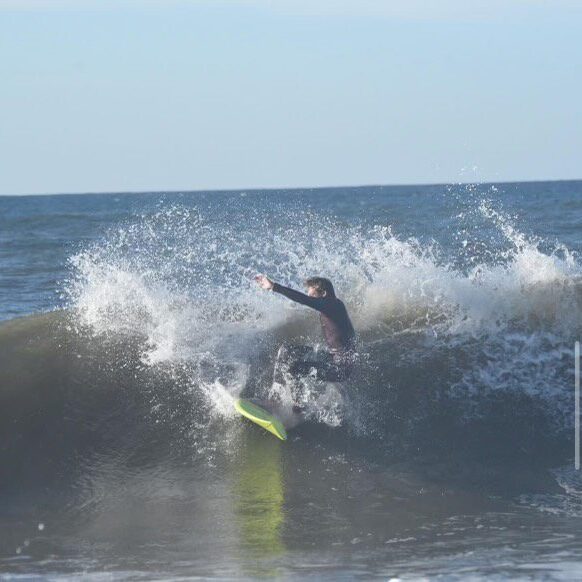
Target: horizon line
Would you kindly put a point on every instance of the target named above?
(290, 188)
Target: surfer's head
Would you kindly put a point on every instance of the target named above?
(319, 287)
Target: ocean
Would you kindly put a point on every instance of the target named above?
(130, 322)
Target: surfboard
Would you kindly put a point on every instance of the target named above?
(261, 417)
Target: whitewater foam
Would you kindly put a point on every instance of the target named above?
(182, 281)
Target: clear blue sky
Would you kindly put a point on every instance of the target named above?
(126, 95)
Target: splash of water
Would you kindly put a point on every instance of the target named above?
(181, 279)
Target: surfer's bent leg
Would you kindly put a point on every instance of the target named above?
(323, 365)
(301, 360)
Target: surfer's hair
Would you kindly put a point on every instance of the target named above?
(321, 284)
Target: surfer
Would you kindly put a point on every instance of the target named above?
(334, 364)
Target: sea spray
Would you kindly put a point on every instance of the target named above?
(181, 279)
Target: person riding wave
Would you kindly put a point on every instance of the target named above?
(335, 364)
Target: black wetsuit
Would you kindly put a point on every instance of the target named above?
(339, 334)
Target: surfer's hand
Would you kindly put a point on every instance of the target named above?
(264, 282)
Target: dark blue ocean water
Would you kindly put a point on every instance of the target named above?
(130, 322)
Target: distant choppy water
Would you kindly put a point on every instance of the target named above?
(131, 321)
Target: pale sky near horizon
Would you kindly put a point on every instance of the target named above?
(151, 95)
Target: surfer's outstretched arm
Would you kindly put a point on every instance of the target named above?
(297, 296)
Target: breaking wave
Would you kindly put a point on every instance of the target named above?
(468, 345)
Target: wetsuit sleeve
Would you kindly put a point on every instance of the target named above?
(313, 302)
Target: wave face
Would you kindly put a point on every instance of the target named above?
(466, 332)
(476, 331)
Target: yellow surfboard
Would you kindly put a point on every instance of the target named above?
(261, 417)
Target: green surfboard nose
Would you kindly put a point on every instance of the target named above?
(261, 417)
